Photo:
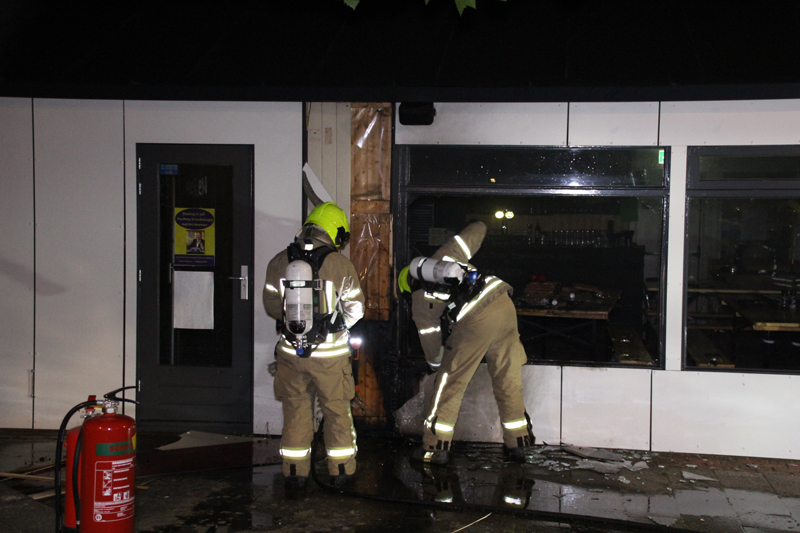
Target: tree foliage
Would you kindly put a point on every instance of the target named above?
(460, 4)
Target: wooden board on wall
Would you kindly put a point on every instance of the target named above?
(370, 191)
(371, 239)
(371, 257)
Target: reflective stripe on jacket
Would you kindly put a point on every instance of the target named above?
(427, 308)
(337, 269)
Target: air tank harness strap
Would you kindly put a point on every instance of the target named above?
(464, 293)
(313, 257)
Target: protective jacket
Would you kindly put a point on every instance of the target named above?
(336, 268)
(427, 306)
(327, 373)
(485, 326)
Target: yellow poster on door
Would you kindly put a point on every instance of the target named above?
(194, 237)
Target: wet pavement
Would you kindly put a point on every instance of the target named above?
(237, 486)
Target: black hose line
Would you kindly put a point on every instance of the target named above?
(548, 516)
(76, 474)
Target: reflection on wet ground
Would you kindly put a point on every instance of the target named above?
(625, 486)
(217, 488)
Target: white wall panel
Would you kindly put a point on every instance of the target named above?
(16, 262)
(344, 155)
(726, 414)
(534, 124)
(541, 386)
(275, 130)
(730, 122)
(613, 124)
(80, 251)
(328, 148)
(478, 415)
(673, 346)
(606, 407)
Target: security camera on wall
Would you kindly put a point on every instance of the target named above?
(416, 113)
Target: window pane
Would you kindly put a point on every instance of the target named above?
(470, 166)
(578, 267)
(724, 168)
(741, 297)
(206, 188)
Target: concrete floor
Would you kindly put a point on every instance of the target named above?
(209, 486)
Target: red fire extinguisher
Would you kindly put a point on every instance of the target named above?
(101, 458)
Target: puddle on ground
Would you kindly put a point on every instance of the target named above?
(617, 485)
(555, 480)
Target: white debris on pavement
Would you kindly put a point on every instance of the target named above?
(696, 477)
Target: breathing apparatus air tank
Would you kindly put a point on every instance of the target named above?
(436, 271)
(299, 298)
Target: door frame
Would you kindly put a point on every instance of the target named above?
(244, 210)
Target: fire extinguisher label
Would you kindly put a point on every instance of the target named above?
(113, 499)
(105, 449)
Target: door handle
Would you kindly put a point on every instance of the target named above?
(243, 283)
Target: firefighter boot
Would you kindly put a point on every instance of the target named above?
(518, 454)
(437, 457)
(524, 447)
(340, 480)
(295, 483)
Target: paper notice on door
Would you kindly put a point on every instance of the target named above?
(193, 300)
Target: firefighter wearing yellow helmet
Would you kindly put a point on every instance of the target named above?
(314, 293)
(462, 316)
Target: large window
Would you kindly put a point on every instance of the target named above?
(577, 233)
(743, 259)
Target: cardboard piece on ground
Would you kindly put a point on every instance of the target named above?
(593, 453)
(697, 477)
(196, 439)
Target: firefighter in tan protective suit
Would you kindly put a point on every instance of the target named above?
(313, 355)
(460, 320)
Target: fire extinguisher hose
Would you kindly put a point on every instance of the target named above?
(76, 496)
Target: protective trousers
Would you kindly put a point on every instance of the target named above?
(492, 332)
(295, 382)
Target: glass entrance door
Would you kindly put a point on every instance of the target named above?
(195, 305)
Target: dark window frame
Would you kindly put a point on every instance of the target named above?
(723, 190)
(554, 180)
(405, 193)
(695, 153)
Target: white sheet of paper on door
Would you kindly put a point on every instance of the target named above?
(193, 300)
